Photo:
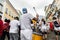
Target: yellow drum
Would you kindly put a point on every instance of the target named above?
(36, 37)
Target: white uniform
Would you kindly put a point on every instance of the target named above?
(26, 31)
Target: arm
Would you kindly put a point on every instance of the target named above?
(56, 24)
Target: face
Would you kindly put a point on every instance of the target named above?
(37, 15)
(59, 20)
(24, 10)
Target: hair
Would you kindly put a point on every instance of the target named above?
(43, 21)
(5, 20)
(0, 16)
(16, 18)
(8, 21)
(54, 18)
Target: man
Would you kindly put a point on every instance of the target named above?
(1, 27)
(56, 27)
(6, 30)
(26, 31)
(14, 29)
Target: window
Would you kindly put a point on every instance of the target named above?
(1, 7)
(10, 14)
(1, 13)
(6, 10)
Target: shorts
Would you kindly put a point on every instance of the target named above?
(44, 32)
(57, 33)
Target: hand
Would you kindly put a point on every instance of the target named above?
(37, 15)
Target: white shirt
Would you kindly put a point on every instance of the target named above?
(57, 28)
(44, 27)
(26, 21)
(14, 26)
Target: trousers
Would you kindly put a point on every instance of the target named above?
(26, 34)
(14, 36)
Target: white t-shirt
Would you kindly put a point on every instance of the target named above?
(57, 28)
(14, 26)
(25, 21)
(44, 28)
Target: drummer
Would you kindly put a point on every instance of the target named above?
(44, 28)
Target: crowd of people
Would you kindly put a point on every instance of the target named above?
(23, 29)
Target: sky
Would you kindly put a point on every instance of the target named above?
(29, 4)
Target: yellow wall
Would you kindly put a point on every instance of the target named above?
(8, 17)
(10, 9)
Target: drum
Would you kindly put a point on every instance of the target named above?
(37, 37)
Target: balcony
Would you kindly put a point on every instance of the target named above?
(1, 7)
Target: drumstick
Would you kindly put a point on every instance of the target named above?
(35, 10)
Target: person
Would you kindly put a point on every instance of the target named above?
(14, 29)
(1, 27)
(44, 29)
(33, 25)
(56, 27)
(6, 30)
(25, 20)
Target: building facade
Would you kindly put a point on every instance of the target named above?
(52, 10)
(1, 7)
(9, 12)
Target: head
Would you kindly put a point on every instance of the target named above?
(0, 17)
(24, 10)
(16, 18)
(8, 21)
(43, 21)
(37, 15)
(54, 18)
(5, 20)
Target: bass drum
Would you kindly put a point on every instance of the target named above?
(36, 37)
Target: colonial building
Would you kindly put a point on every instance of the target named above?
(52, 10)
(7, 10)
(1, 7)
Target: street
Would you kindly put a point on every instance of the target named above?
(51, 36)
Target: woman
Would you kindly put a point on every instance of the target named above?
(56, 27)
(44, 29)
